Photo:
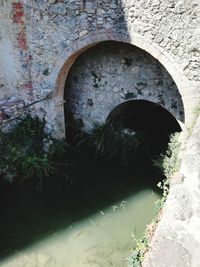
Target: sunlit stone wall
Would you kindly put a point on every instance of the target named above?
(111, 73)
(37, 37)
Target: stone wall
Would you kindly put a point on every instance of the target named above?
(176, 241)
(40, 40)
(111, 73)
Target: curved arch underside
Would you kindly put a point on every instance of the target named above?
(111, 73)
(142, 115)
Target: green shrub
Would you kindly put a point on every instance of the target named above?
(137, 255)
(110, 141)
(62, 157)
(22, 151)
(168, 163)
(196, 114)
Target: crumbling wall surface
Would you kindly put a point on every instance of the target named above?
(35, 35)
(15, 79)
(176, 242)
(111, 73)
(52, 26)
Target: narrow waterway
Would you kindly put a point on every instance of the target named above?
(84, 222)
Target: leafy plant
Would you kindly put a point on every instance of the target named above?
(137, 255)
(168, 163)
(196, 113)
(22, 151)
(111, 141)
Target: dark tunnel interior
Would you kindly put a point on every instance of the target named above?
(154, 121)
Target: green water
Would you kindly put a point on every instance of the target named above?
(87, 222)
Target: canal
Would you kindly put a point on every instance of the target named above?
(84, 221)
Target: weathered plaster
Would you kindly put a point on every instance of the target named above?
(47, 37)
(111, 73)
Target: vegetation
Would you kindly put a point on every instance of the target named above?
(112, 142)
(22, 152)
(24, 157)
(167, 163)
(141, 246)
(196, 113)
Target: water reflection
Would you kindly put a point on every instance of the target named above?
(103, 239)
(86, 225)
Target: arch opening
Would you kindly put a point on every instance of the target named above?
(94, 89)
(154, 122)
(60, 73)
(110, 73)
(143, 115)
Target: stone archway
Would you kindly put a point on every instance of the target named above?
(111, 73)
(62, 67)
(143, 115)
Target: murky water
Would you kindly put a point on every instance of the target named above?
(87, 230)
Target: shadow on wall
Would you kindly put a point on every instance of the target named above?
(114, 15)
(111, 73)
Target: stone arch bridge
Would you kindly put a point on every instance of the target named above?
(92, 55)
